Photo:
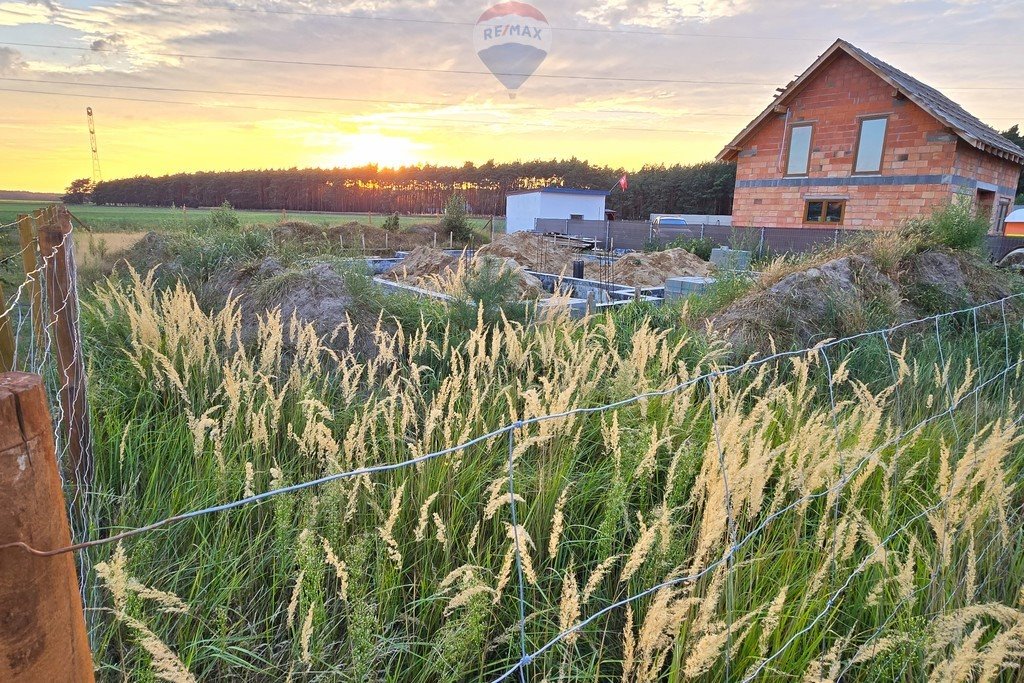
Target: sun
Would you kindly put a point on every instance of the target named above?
(359, 149)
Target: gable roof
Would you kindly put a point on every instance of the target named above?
(966, 126)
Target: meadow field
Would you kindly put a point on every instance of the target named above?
(108, 230)
(138, 218)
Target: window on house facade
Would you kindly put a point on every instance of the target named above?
(799, 157)
(825, 211)
(870, 145)
(575, 216)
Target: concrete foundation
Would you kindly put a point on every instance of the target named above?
(606, 294)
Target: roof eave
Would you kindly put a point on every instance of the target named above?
(787, 92)
(728, 154)
(937, 115)
(731, 150)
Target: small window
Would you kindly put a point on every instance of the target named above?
(825, 211)
(870, 145)
(799, 158)
(575, 216)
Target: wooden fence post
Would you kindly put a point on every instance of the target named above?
(30, 264)
(56, 249)
(7, 351)
(42, 624)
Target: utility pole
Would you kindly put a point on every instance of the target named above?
(97, 175)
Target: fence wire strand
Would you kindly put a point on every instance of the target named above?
(381, 468)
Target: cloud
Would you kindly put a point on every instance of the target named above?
(112, 42)
(25, 13)
(660, 15)
(469, 115)
(10, 61)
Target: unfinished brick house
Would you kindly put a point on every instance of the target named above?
(854, 142)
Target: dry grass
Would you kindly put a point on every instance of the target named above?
(411, 575)
(97, 249)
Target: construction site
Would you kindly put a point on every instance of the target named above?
(551, 268)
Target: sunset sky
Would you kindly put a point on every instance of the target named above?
(298, 83)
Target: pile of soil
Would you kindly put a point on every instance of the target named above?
(149, 252)
(534, 252)
(651, 270)
(850, 294)
(354, 235)
(527, 286)
(435, 270)
(315, 294)
(423, 264)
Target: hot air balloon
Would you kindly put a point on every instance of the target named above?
(512, 39)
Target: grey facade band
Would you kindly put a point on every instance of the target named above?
(861, 181)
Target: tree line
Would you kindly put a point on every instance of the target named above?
(699, 188)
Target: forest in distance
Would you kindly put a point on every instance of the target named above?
(705, 188)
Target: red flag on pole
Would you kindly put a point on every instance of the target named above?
(624, 183)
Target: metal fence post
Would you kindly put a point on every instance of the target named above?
(837, 237)
(56, 249)
(760, 244)
(44, 636)
(702, 231)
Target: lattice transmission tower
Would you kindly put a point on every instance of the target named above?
(97, 174)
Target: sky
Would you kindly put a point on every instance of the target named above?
(240, 84)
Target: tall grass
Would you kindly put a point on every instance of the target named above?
(859, 552)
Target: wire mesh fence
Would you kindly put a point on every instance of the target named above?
(40, 333)
(763, 242)
(786, 516)
(41, 329)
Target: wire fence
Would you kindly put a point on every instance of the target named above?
(761, 241)
(40, 334)
(41, 305)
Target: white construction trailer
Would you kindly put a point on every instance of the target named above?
(522, 209)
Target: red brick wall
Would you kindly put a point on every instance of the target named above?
(916, 144)
(869, 208)
(973, 163)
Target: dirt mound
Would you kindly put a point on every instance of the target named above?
(423, 263)
(651, 270)
(149, 252)
(297, 228)
(805, 306)
(534, 252)
(526, 286)
(316, 294)
(851, 294)
(441, 272)
(352, 235)
(938, 281)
